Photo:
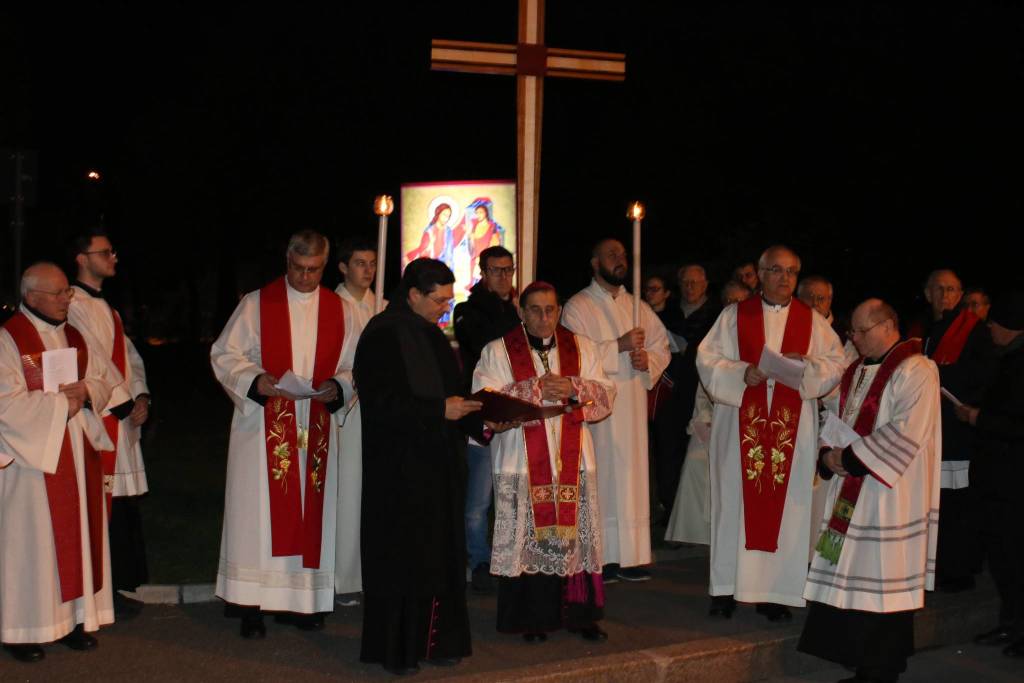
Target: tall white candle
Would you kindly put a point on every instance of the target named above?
(382, 206)
(636, 212)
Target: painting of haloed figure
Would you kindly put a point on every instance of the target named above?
(455, 221)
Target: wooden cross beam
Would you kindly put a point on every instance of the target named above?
(529, 61)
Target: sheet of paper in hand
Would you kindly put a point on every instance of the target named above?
(789, 371)
(835, 433)
(499, 407)
(299, 387)
(60, 366)
(949, 395)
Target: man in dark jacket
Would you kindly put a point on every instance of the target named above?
(488, 314)
(997, 469)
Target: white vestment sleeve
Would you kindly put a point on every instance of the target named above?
(720, 371)
(591, 371)
(138, 384)
(891, 447)
(348, 355)
(824, 362)
(574, 318)
(656, 344)
(235, 356)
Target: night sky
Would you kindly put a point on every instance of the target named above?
(879, 139)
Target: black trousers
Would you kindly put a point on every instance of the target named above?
(959, 546)
(535, 603)
(1003, 542)
(128, 567)
(668, 447)
(876, 644)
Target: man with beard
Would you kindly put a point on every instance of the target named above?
(764, 440)
(633, 358)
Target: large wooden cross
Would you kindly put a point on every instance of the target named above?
(529, 61)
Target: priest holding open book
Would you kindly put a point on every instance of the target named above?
(547, 526)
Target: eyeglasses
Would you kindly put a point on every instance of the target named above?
(778, 270)
(105, 253)
(69, 292)
(654, 288)
(854, 332)
(692, 283)
(440, 301)
(496, 270)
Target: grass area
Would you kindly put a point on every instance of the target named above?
(185, 446)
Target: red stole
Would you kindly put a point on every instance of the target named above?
(831, 543)
(768, 438)
(952, 343)
(118, 356)
(554, 496)
(294, 529)
(62, 485)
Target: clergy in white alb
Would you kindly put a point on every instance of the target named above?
(764, 441)
(358, 266)
(546, 549)
(123, 468)
(690, 521)
(875, 557)
(633, 357)
(277, 548)
(54, 553)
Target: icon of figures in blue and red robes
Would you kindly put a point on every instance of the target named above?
(480, 232)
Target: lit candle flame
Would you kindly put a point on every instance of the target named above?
(383, 205)
(93, 175)
(636, 211)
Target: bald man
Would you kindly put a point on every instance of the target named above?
(54, 548)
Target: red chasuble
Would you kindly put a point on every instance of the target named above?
(296, 529)
(830, 545)
(62, 485)
(767, 438)
(554, 495)
(953, 341)
(118, 356)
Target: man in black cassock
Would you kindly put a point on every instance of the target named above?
(414, 478)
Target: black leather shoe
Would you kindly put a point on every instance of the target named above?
(773, 612)
(253, 627)
(26, 653)
(402, 670)
(79, 640)
(535, 637)
(444, 661)
(1015, 649)
(309, 622)
(722, 606)
(1000, 635)
(482, 582)
(592, 633)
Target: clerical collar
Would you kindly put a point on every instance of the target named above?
(541, 344)
(95, 293)
(45, 318)
(880, 359)
(776, 306)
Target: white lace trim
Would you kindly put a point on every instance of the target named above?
(516, 549)
(304, 579)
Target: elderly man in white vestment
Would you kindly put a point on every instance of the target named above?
(633, 357)
(547, 522)
(123, 468)
(357, 261)
(876, 554)
(54, 549)
(764, 440)
(280, 503)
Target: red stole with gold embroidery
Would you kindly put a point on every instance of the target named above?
(296, 529)
(109, 458)
(953, 341)
(554, 495)
(767, 439)
(62, 485)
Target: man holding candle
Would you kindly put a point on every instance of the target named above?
(764, 440)
(633, 357)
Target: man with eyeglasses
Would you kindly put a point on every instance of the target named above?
(875, 554)
(963, 350)
(488, 313)
(633, 357)
(55, 582)
(280, 504)
(816, 292)
(764, 441)
(123, 468)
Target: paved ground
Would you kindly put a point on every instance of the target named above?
(663, 621)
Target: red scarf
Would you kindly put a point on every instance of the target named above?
(118, 356)
(767, 439)
(554, 504)
(953, 341)
(830, 545)
(62, 485)
(294, 530)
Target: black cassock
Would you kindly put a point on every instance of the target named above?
(414, 484)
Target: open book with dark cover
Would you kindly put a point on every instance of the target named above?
(499, 407)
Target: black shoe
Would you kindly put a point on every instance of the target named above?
(773, 612)
(1015, 649)
(535, 637)
(634, 574)
(610, 574)
(592, 633)
(79, 640)
(26, 653)
(253, 627)
(444, 661)
(402, 670)
(125, 608)
(303, 622)
(722, 606)
(482, 582)
(1000, 635)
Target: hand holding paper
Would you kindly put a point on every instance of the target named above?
(299, 387)
(789, 371)
(60, 366)
(835, 433)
